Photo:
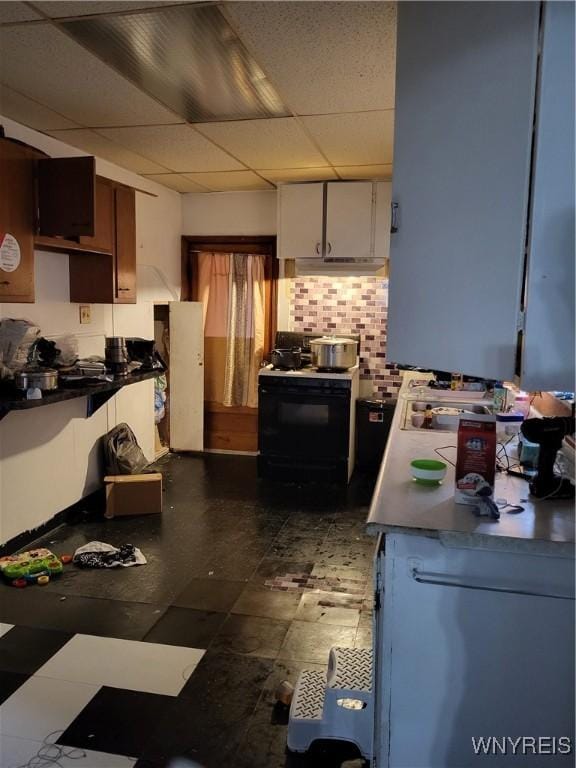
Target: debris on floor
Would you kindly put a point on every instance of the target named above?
(98, 554)
(305, 582)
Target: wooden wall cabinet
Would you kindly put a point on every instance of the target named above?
(66, 195)
(60, 204)
(102, 241)
(17, 169)
(109, 275)
(96, 209)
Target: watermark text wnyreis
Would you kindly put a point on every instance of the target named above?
(522, 745)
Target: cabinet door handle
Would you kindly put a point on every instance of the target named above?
(393, 218)
(5, 282)
(124, 289)
(448, 580)
(329, 247)
(318, 248)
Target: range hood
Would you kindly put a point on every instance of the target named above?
(342, 267)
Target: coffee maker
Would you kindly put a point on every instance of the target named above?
(549, 433)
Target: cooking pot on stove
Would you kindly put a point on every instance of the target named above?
(287, 358)
(331, 353)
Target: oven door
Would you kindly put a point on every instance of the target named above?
(303, 422)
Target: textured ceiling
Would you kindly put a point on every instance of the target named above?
(208, 96)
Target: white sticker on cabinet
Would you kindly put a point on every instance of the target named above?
(9, 253)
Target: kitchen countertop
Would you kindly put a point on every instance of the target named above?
(401, 505)
(12, 399)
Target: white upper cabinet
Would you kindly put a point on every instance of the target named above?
(349, 211)
(347, 221)
(548, 339)
(300, 220)
(465, 94)
(383, 194)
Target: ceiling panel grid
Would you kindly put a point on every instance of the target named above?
(206, 96)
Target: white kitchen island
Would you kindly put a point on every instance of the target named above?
(474, 620)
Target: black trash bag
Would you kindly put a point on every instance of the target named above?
(122, 454)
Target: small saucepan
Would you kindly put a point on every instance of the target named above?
(40, 378)
(289, 359)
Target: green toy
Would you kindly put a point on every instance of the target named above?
(30, 566)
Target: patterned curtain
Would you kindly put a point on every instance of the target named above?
(231, 286)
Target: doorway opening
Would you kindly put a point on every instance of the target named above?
(235, 278)
(162, 382)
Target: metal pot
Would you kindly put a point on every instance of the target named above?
(331, 353)
(40, 378)
(290, 359)
(116, 355)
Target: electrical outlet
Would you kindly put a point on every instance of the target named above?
(85, 313)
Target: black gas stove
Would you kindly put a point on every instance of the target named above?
(306, 418)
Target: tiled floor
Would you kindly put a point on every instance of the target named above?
(247, 583)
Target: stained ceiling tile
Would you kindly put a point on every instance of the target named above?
(13, 11)
(365, 171)
(274, 143)
(365, 138)
(42, 62)
(94, 144)
(30, 113)
(58, 9)
(177, 147)
(323, 56)
(229, 181)
(298, 174)
(176, 181)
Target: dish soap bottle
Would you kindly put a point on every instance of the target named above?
(500, 397)
(427, 418)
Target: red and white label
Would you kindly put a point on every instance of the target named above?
(9, 253)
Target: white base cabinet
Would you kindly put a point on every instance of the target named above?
(471, 643)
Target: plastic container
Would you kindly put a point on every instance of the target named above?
(522, 404)
(508, 424)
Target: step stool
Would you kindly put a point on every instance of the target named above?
(338, 705)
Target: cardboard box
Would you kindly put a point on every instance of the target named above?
(476, 457)
(133, 494)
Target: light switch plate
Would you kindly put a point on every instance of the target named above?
(85, 314)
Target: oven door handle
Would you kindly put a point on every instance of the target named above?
(306, 395)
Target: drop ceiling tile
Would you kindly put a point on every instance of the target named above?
(274, 143)
(323, 56)
(298, 174)
(229, 181)
(58, 9)
(365, 171)
(92, 142)
(30, 113)
(12, 11)
(45, 64)
(176, 181)
(177, 147)
(364, 138)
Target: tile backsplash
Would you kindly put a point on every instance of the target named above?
(343, 305)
